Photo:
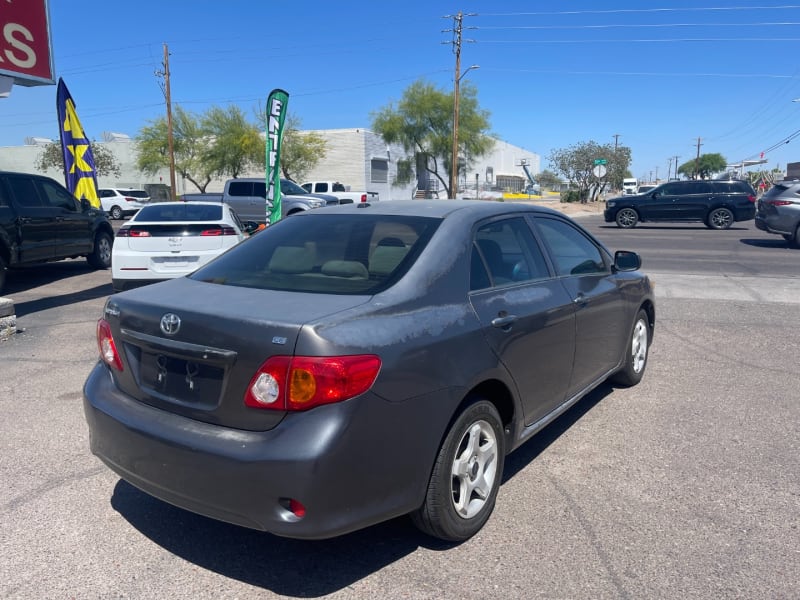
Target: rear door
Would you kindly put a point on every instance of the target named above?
(248, 199)
(36, 224)
(526, 314)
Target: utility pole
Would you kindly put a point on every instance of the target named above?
(616, 140)
(676, 165)
(457, 30)
(697, 160)
(170, 141)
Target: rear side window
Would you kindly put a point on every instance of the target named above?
(137, 194)
(509, 254)
(240, 188)
(327, 254)
(25, 192)
(338, 187)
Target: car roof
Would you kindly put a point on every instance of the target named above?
(438, 208)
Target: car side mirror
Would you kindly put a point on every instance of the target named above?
(85, 205)
(625, 260)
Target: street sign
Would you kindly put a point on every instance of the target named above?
(600, 161)
(599, 171)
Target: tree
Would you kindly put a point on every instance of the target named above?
(422, 123)
(548, 179)
(233, 144)
(301, 151)
(105, 163)
(190, 144)
(576, 164)
(703, 167)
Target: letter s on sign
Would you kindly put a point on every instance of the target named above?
(9, 32)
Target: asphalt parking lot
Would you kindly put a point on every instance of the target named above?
(684, 486)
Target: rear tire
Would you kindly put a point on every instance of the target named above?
(796, 238)
(627, 218)
(635, 353)
(100, 258)
(116, 213)
(720, 218)
(466, 476)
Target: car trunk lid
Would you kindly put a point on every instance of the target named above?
(192, 347)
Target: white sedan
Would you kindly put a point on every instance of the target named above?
(171, 239)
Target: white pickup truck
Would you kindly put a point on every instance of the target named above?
(339, 190)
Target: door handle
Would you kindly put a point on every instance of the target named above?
(504, 322)
(580, 299)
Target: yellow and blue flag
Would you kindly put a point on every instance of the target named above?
(79, 169)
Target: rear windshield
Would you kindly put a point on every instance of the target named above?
(179, 211)
(779, 189)
(135, 193)
(325, 254)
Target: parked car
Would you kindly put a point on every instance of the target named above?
(779, 211)
(718, 204)
(170, 239)
(341, 191)
(290, 188)
(41, 221)
(122, 202)
(354, 364)
(248, 198)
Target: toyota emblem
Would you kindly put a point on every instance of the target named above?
(170, 323)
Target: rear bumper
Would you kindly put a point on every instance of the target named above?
(768, 226)
(351, 464)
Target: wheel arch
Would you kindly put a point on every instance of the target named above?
(497, 393)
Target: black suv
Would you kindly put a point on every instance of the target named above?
(717, 203)
(41, 221)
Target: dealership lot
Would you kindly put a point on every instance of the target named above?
(686, 485)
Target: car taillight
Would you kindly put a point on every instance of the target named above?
(363, 198)
(752, 198)
(303, 382)
(778, 202)
(129, 199)
(107, 346)
(128, 232)
(219, 231)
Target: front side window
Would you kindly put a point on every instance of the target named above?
(573, 253)
(57, 197)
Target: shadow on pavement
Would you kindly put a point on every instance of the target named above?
(776, 242)
(301, 568)
(33, 306)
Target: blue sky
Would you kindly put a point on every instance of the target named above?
(659, 75)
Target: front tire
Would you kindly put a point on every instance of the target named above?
(720, 218)
(466, 476)
(627, 218)
(100, 258)
(116, 213)
(636, 352)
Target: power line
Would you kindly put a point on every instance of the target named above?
(641, 10)
(636, 25)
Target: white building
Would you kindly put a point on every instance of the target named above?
(358, 158)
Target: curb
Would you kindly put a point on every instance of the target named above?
(8, 319)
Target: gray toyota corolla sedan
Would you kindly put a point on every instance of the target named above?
(356, 363)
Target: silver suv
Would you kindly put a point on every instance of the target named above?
(778, 211)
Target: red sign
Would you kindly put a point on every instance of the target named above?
(25, 49)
